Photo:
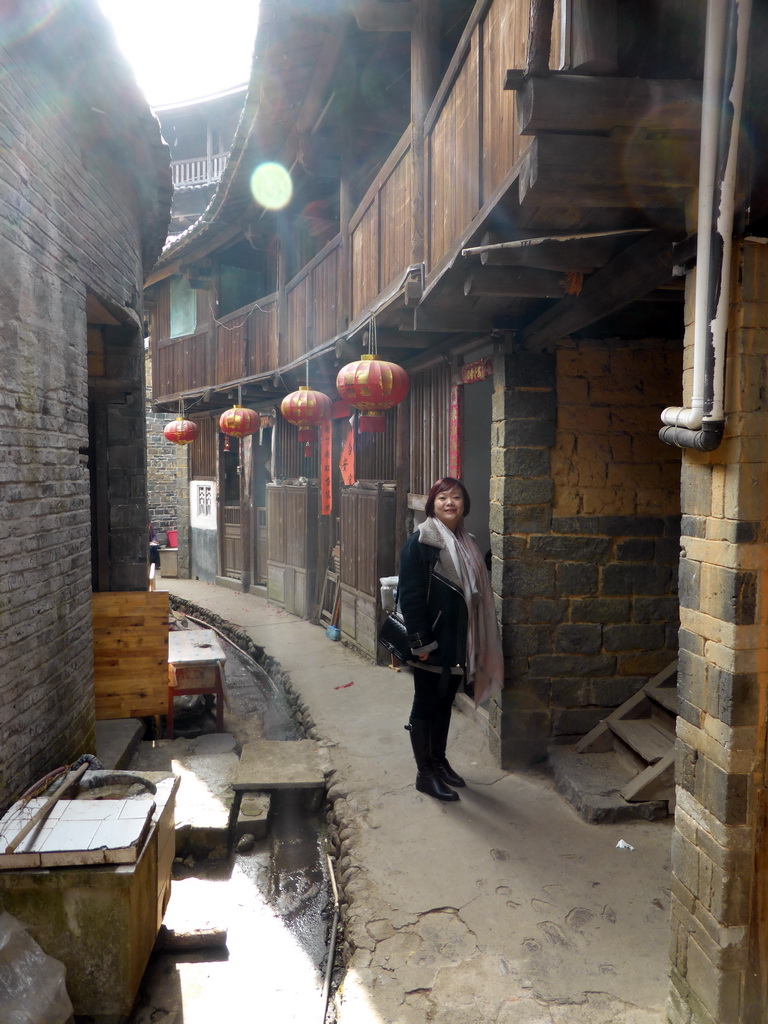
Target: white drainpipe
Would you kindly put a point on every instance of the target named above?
(725, 59)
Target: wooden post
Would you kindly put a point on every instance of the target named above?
(402, 471)
(345, 212)
(246, 512)
(282, 277)
(425, 39)
(539, 37)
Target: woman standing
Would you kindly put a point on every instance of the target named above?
(447, 605)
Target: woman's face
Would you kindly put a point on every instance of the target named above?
(449, 507)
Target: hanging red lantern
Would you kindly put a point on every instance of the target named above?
(239, 422)
(306, 409)
(372, 385)
(181, 431)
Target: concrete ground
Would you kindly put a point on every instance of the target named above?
(502, 908)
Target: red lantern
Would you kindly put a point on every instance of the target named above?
(239, 422)
(181, 431)
(306, 409)
(372, 385)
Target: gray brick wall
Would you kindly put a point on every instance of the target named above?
(67, 224)
(167, 479)
(587, 601)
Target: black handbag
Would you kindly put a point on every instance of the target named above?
(394, 636)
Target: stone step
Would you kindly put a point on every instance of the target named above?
(592, 784)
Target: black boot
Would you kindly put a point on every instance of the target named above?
(443, 770)
(426, 779)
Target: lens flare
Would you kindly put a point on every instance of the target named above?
(271, 186)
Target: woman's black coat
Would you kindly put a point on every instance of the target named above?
(426, 568)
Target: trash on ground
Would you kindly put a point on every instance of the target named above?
(621, 845)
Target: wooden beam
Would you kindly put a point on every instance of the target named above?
(629, 276)
(623, 171)
(425, 76)
(451, 320)
(594, 35)
(373, 16)
(514, 282)
(315, 99)
(568, 103)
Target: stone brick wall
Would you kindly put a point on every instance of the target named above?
(67, 224)
(585, 536)
(721, 747)
(167, 478)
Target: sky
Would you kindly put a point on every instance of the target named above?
(184, 49)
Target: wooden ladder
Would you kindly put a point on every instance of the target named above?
(642, 735)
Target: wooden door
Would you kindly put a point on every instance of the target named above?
(232, 547)
(260, 570)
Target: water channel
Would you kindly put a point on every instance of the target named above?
(274, 900)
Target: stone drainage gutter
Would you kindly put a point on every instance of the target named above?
(338, 831)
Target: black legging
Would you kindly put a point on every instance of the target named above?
(428, 700)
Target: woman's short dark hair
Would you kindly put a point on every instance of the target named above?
(446, 483)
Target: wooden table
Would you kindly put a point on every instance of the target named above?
(195, 665)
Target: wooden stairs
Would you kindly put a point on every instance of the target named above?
(641, 733)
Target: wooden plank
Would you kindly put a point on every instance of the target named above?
(656, 782)
(130, 653)
(567, 103)
(644, 737)
(666, 696)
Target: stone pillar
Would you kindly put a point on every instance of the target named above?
(722, 685)
(522, 435)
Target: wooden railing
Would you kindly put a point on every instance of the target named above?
(246, 341)
(380, 229)
(199, 170)
(312, 304)
(472, 141)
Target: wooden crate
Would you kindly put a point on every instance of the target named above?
(130, 654)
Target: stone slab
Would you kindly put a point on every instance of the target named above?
(279, 764)
(592, 784)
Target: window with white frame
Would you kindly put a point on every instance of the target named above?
(203, 504)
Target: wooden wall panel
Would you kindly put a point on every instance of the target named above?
(430, 410)
(261, 354)
(295, 512)
(182, 365)
(365, 261)
(504, 43)
(375, 454)
(453, 154)
(324, 288)
(202, 452)
(396, 220)
(230, 348)
(294, 344)
(276, 520)
(130, 654)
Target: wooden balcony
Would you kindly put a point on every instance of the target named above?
(492, 156)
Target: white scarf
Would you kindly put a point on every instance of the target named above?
(485, 659)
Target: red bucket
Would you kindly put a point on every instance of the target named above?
(173, 538)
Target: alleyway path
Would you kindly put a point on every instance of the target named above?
(503, 908)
